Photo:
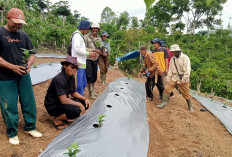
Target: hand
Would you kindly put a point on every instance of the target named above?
(146, 72)
(92, 54)
(28, 69)
(20, 70)
(139, 74)
(87, 103)
(166, 72)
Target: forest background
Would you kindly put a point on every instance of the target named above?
(174, 21)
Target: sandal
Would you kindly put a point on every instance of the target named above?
(60, 126)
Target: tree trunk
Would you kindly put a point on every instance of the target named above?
(199, 86)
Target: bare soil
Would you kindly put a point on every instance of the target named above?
(174, 132)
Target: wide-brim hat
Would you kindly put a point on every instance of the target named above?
(105, 34)
(156, 40)
(175, 47)
(163, 44)
(96, 25)
(70, 60)
(16, 15)
(84, 25)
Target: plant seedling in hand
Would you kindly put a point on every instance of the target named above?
(73, 150)
(26, 55)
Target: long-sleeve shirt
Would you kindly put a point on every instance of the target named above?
(183, 66)
(151, 64)
(79, 49)
(92, 44)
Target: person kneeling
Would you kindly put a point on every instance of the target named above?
(57, 101)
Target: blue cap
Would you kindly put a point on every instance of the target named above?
(163, 44)
(105, 34)
(156, 40)
(84, 25)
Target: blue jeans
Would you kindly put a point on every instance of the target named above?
(81, 80)
(10, 91)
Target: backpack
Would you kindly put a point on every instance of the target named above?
(69, 49)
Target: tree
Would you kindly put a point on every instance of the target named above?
(123, 20)
(134, 22)
(61, 8)
(107, 15)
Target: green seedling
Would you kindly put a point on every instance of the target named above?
(100, 119)
(50, 63)
(26, 55)
(73, 150)
(34, 65)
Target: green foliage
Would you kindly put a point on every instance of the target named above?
(100, 119)
(26, 55)
(148, 3)
(73, 150)
(34, 65)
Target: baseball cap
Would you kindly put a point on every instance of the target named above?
(16, 15)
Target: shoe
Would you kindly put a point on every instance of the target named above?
(14, 140)
(151, 99)
(164, 103)
(34, 133)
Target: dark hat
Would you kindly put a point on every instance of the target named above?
(163, 44)
(156, 40)
(84, 25)
(105, 34)
(16, 15)
(70, 60)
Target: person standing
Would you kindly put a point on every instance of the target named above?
(163, 44)
(161, 56)
(178, 74)
(78, 50)
(150, 67)
(93, 43)
(15, 81)
(103, 58)
(57, 101)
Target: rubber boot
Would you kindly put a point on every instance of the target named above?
(90, 88)
(102, 80)
(164, 101)
(190, 108)
(95, 94)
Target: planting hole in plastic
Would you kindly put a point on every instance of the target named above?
(117, 94)
(95, 125)
(109, 106)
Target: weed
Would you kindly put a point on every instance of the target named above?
(73, 150)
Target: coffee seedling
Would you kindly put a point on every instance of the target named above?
(73, 150)
(100, 119)
(34, 65)
(26, 55)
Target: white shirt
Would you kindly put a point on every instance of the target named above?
(79, 49)
(183, 66)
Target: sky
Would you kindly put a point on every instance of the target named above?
(92, 9)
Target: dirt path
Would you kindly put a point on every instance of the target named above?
(174, 132)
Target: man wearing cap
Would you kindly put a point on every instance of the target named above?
(79, 50)
(178, 74)
(15, 81)
(93, 43)
(161, 56)
(150, 67)
(57, 101)
(103, 58)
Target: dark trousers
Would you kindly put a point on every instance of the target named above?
(159, 85)
(91, 71)
(149, 85)
(71, 111)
